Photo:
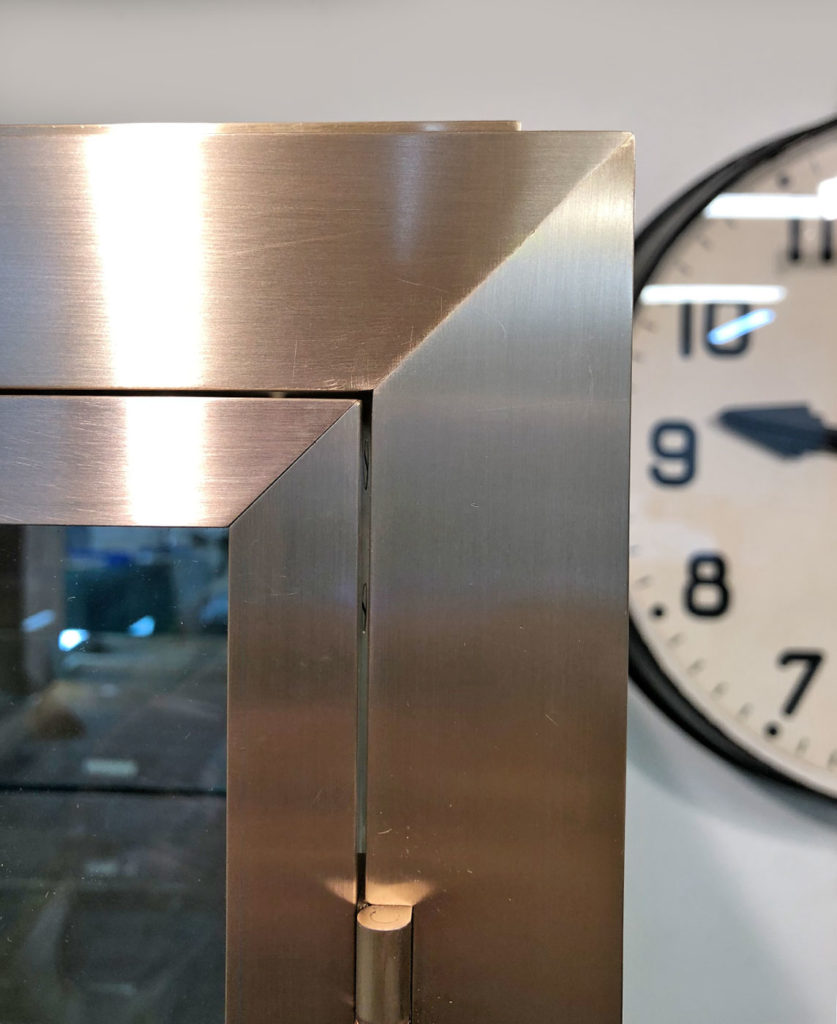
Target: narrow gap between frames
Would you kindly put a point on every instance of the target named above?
(364, 549)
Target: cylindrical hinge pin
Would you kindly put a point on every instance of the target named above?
(383, 973)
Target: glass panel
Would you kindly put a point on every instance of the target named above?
(112, 775)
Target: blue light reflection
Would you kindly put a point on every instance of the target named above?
(68, 639)
(142, 627)
(741, 325)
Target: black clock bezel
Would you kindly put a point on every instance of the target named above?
(652, 243)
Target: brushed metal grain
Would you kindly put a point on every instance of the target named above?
(478, 281)
(291, 741)
(498, 625)
(112, 461)
(200, 257)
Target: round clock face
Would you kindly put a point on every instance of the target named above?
(733, 560)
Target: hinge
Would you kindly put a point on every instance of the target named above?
(384, 965)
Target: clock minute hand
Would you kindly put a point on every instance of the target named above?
(786, 430)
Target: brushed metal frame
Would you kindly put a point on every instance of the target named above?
(148, 461)
(475, 287)
(291, 746)
(175, 257)
(499, 627)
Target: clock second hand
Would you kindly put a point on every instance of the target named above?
(785, 430)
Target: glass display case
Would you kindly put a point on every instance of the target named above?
(313, 449)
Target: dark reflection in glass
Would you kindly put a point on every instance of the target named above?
(112, 768)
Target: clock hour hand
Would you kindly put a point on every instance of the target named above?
(786, 430)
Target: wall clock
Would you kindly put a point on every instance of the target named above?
(734, 476)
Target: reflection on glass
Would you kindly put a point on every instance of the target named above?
(112, 769)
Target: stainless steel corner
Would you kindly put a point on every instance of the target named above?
(428, 645)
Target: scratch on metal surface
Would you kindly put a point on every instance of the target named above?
(420, 284)
(292, 243)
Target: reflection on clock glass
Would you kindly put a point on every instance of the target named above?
(734, 463)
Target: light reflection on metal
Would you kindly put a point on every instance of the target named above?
(145, 186)
(117, 461)
(165, 448)
(253, 257)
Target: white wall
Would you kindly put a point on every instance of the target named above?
(731, 890)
